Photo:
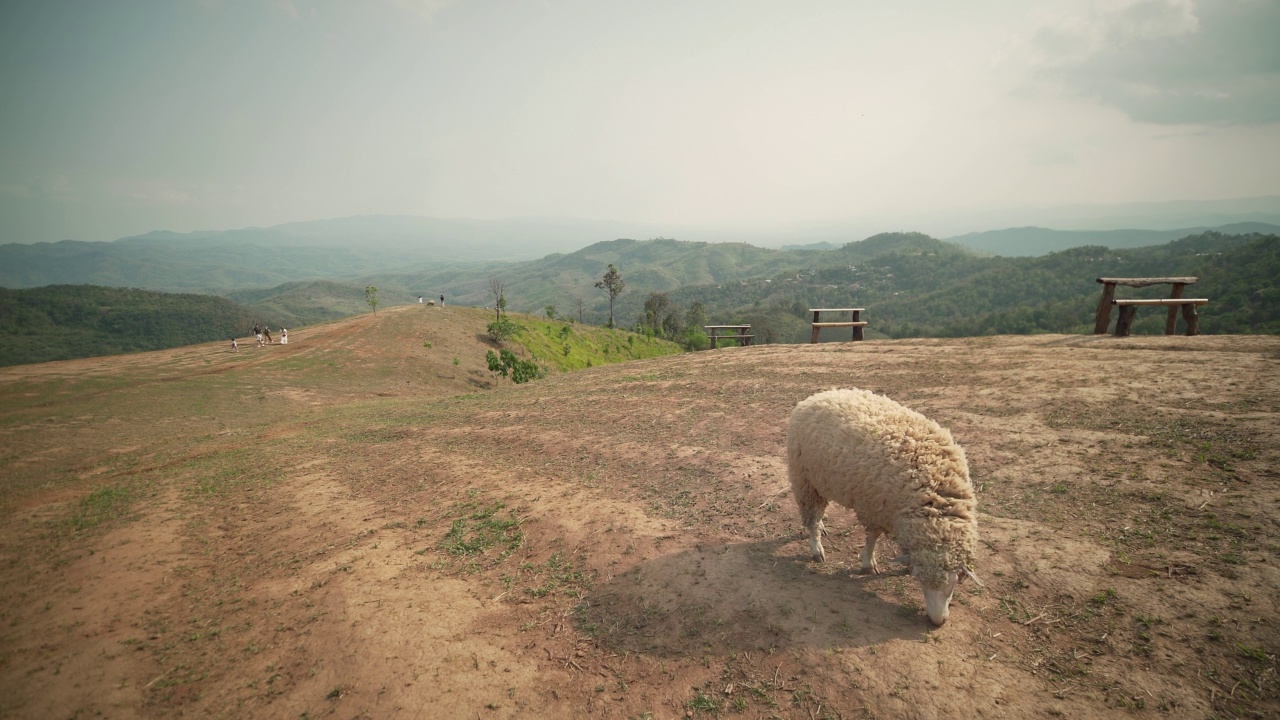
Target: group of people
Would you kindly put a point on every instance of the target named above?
(441, 300)
(263, 335)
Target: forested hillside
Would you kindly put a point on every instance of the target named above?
(1036, 241)
(60, 322)
(305, 303)
(912, 285)
(923, 287)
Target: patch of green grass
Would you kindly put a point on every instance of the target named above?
(103, 504)
(477, 532)
(1253, 652)
(703, 702)
(566, 346)
(559, 574)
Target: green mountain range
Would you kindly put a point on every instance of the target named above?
(910, 285)
(1034, 241)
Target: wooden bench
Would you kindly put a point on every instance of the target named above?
(1129, 308)
(855, 321)
(741, 333)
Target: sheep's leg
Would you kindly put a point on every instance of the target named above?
(812, 507)
(869, 564)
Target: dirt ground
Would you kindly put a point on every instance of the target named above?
(355, 525)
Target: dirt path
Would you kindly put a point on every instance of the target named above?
(330, 530)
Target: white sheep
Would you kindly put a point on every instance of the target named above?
(900, 472)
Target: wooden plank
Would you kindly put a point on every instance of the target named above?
(1144, 282)
(819, 310)
(1103, 317)
(727, 327)
(1163, 301)
(860, 323)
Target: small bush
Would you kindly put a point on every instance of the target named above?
(503, 329)
(696, 340)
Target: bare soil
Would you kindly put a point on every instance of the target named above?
(353, 525)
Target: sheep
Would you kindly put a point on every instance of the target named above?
(900, 472)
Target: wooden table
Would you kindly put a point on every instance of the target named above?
(741, 333)
(1129, 308)
(855, 321)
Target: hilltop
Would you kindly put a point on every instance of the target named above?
(349, 525)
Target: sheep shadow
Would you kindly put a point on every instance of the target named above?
(746, 597)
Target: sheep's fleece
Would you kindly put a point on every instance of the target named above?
(899, 471)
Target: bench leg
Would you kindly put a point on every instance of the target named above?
(1171, 323)
(1104, 309)
(813, 339)
(1192, 318)
(857, 331)
(1125, 320)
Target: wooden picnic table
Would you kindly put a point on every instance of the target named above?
(855, 321)
(741, 333)
(1129, 308)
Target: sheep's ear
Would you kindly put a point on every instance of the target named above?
(968, 572)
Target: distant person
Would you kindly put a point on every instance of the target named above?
(266, 332)
(441, 301)
(235, 345)
(257, 333)
(284, 336)
(419, 299)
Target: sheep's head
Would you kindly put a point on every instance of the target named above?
(939, 583)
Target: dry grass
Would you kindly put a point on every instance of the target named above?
(354, 525)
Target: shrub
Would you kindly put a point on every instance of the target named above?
(696, 340)
(503, 329)
(506, 363)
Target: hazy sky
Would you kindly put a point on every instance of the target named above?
(123, 116)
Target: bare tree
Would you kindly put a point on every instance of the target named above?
(579, 303)
(496, 286)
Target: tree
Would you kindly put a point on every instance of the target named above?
(579, 303)
(371, 297)
(613, 284)
(662, 315)
(551, 312)
(656, 308)
(697, 315)
(505, 362)
(496, 287)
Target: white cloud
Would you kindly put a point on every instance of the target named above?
(1211, 62)
(425, 9)
(57, 189)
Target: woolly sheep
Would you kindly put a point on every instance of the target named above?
(899, 471)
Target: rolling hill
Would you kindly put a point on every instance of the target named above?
(1036, 241)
